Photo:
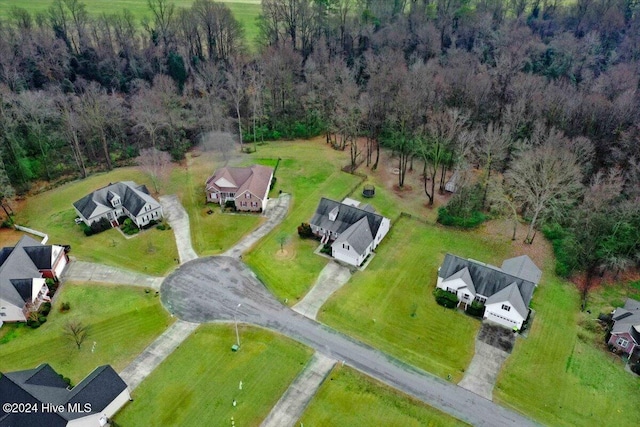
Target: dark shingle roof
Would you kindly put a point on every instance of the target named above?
(132, 196)
(40, 255)
(487, 279)
(347, 216)
(17, 265)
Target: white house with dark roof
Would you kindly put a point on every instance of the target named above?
(625, 333)
(125, 198)
(23, 270)
(91, 403)
(247, 187)
(355, 230)
(505, 292)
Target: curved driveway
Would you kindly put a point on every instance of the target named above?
(210, 289)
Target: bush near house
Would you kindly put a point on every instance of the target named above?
(129, 228)
(445, 299)
(304, 231)
(476, 309)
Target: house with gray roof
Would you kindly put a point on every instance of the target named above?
(354, 230)
(125, 198)
(23, 271)
(625, 333)
(505, 292)
(90, 403)
(247, 187)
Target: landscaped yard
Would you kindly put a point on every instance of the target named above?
(348, 398)
(390, 305)
(197, 384)
(308, 171)
(122, 321)
(152, 251)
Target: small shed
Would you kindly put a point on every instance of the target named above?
(452, 184)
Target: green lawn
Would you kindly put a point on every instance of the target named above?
(114, 314)
(152, 251)
(308, 171)
(348, 398)
(197, 383)
(562, 374)
(245, 11)
(390, 304)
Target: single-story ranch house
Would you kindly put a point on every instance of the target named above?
(247, 187)
(117, 200)
(91, 403)
(23, 270)
(625, 334)
(505, 292)
(355, 230)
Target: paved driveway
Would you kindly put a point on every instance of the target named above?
(210, 289)
(81, 271)
(177, 216)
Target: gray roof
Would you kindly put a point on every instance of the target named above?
(347, 216)
(487, 279)
(44, 385)
(512, 294)
(358, 236)
(132, 196)
(627, 319)
(465, 276)
(522, 267)
(16, 267)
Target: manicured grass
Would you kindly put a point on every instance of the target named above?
(308, 171)
(152, 251)
(348, 398)
(122, 321)
(562, 374)
(197, 383)
(245, 11)
(210, 233)
(390, 304)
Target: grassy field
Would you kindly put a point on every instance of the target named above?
(289, 275)
(245, 11)
(152, 251)
(348, 398)
(114, 315)
(197, 383)
(390, 304)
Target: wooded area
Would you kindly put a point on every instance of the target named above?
(533, 102)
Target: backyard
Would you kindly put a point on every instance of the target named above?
(114, 315)
(197, 384)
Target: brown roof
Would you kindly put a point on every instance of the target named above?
(255, 179)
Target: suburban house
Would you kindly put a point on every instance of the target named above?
(505, 291)
(23, 270)
(247, 187)
(89, 404)
(355, 230)
(625, 333)
(125, 198)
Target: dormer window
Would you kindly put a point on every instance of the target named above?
(114, 199)
(333, 214)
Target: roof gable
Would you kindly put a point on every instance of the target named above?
(345, 218)
(358, 236)
(16, 273)
(463, 275)
(523, 267)
(510, 294)
(133, 197)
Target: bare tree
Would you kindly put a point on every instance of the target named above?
(544, 178)
(235, 88)
(75, 331)
(492, 149)
(156, 164)
(503, 202)
(71, 128)
(219, 142)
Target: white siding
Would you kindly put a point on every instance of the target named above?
(495, 313)
(346, 255)
(382, 231)
(12, 312)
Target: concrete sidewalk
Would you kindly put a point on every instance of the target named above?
(81, 271)
(332, 277)
(177, 216)
(157, 351)
(293, 402)
(276, 211)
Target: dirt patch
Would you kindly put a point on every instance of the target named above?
(497, 336)
(285, 253)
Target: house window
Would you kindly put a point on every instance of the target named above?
(622, 342)
(254, 203)
(481, 300)
(466, 296)
(505, 307)
(453, 291)
(243, 203)
(247, 195)
(345, 246)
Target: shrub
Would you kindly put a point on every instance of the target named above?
(304, 230)
(464, 208)
(33, 324)
(326, 249)
(473, 220)
(230, 204)
(161, 227)
(129, 228)
(99, 226)
(273, 183)
(476, 309)
(445, 298)
(86, 229)
(45, 308)
(65, 306)
(635, 368)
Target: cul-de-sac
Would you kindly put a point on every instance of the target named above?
(290, 213)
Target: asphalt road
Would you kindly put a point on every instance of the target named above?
(210, 289)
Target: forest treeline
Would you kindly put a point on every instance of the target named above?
(534, 103)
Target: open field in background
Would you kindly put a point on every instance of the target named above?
(245, 11)
(196, 384)
(308, 171)
(210, 233)
(348, 398)
(151, 251)
(390, 304)
(115, 315)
